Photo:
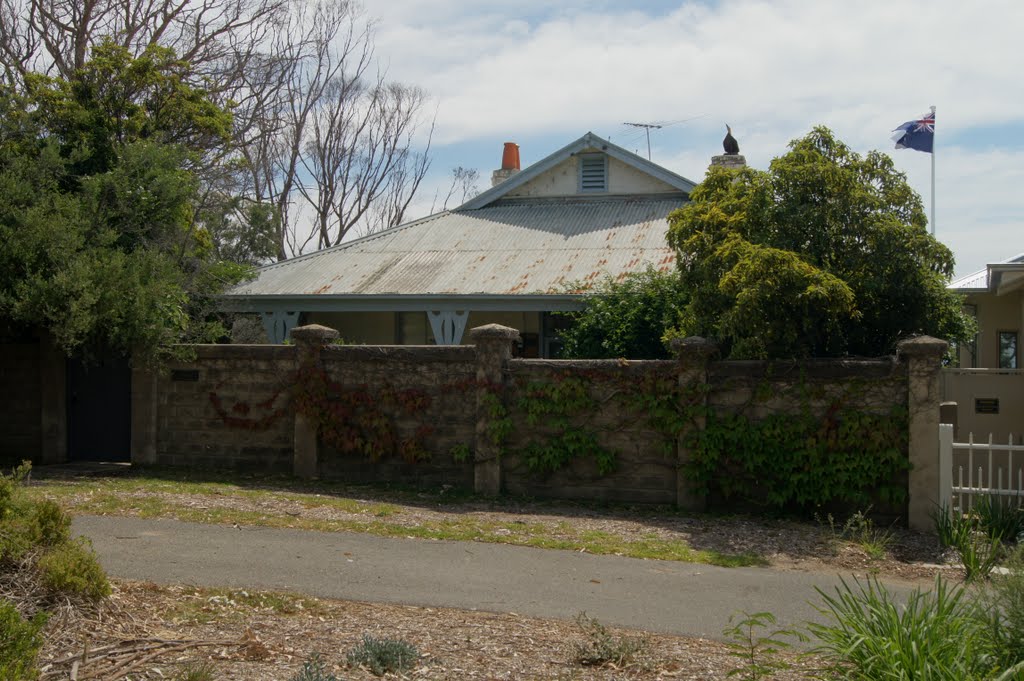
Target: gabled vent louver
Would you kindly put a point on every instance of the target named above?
(594, 173)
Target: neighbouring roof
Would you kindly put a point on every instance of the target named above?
(500, 243)
(516, 246)
(990, 278)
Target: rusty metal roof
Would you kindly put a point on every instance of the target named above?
(508, 248)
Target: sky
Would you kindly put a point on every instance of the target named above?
(543, 73)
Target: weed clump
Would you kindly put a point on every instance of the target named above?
(383, 655)
(601, 647)
(759, 654)
(313, 669)
(860, 529)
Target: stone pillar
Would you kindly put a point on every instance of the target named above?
(144, 415)
(309, 341)
(53, 402)
(493, 351)
(693, 354)
(923, 356)
(729, 161)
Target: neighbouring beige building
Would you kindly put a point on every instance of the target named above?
(988, 385)
(515, 254)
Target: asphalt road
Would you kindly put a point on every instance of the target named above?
(657, 596)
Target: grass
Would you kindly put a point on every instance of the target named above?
(165, 495)
(860, 530)
(978, 547)
(201, 606)
(936, 634)
(197, 671)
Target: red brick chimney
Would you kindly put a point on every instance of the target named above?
(509, 164)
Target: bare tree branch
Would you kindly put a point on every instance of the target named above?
(318, 140)
(462, 188)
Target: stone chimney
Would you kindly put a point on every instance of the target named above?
(729, 161)
(509, 164)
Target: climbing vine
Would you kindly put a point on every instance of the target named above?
(802, 460)
(239, 414)
(562, 405)
(804, 457)
(355, 419)
(824, 447)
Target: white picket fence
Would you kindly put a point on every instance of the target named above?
(971, 470)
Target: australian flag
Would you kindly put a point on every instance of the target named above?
(919, 134)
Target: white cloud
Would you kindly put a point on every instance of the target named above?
(521, 71)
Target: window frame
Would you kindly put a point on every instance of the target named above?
(1016, 348)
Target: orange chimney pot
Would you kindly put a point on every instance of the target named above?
(510, 156)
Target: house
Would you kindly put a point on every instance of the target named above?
(995, 297)
(512, 255)
(988, 384)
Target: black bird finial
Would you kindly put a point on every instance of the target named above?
(729, 143)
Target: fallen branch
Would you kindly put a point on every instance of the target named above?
(114, 661)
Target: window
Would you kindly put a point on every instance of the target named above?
(1007, 349)
(593, 173)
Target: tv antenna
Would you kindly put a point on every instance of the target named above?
(647, 128)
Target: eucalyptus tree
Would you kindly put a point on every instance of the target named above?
(323, 143)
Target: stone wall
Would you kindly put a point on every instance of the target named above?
(645, 460)
(20, 402)
(226, 409)
(468, 416)
(442, 423)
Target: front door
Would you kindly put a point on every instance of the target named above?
(99, 410)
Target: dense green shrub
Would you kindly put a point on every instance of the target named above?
(49, 525)
(71, 569)
(17, 517)
(825, 254)
(626, 318)
(20, 642)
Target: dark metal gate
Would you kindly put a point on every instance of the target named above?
(99, 410)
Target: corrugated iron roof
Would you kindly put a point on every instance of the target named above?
(507, 248)
(976, 280)
(980, 280)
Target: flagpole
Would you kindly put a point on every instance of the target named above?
(933, 175)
